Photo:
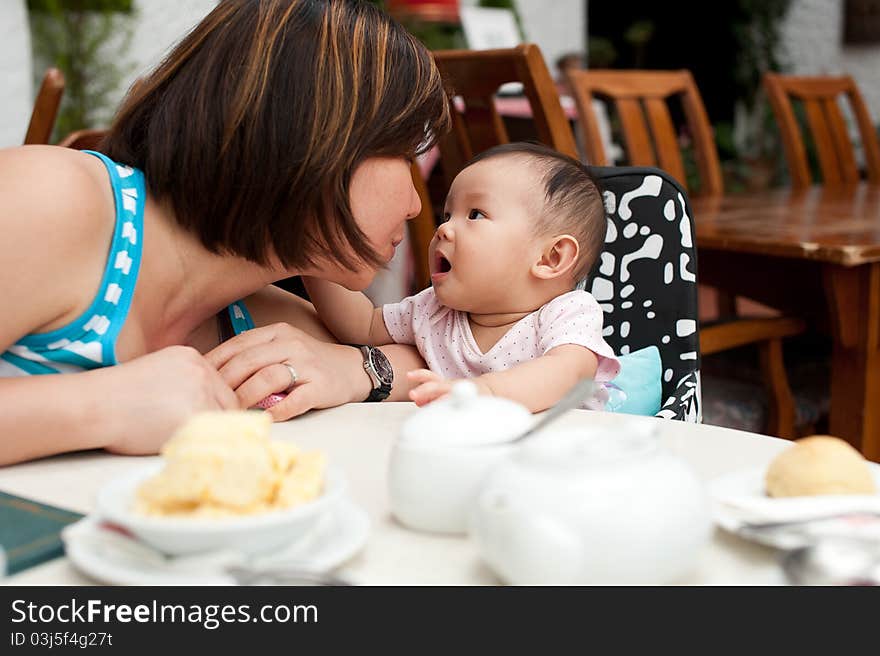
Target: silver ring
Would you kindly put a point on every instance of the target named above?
(293, 375)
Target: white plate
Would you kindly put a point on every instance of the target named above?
(262, 532)
(340, 534)
(739, 499)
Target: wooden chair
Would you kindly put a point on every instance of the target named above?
(89, 139)
(640, 94)
(473, 78)
(635, 95)
(820, 96)
(45, 108)
(421, 231)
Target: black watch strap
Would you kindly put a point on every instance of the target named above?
(381, 380)
(379, 393)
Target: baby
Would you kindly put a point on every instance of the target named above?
(522, 225)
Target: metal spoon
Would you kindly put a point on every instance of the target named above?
(574, 398)
(283, 575)
(833, 561)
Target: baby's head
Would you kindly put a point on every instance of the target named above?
(521, 222)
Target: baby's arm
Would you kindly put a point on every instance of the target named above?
(536, 384)
(349, 315)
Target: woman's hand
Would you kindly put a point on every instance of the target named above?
(152, 395)
(252, 364)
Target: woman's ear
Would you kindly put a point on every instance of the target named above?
(557, 258)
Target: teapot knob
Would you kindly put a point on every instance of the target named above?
(462, 392)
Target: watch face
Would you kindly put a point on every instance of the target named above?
(381, 366)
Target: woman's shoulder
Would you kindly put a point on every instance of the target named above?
(53, 191)
(56, 217)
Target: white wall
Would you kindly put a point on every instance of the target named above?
(159, 25)
(15, 72)
(557, 26)
(813, 45)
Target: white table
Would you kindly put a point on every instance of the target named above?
(358, 437)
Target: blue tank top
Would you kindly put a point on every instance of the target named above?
(89, 341)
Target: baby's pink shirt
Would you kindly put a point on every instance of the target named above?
(444, 339)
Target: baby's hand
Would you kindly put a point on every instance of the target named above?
(428, 386)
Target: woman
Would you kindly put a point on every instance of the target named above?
(273, 141)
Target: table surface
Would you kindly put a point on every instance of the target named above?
(835, 226)
(359, 438)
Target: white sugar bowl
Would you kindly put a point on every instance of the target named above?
(444, 452)
(589, 506)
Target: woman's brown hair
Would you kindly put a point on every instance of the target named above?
(253, 125)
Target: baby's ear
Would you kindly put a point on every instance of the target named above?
(558, 258)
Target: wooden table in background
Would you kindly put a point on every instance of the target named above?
(815, 253)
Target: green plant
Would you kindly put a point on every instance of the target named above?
(84, 38)
(758, 35)
(638, 35)
(601, 52)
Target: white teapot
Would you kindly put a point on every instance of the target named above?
(444, 452)
(588, 506)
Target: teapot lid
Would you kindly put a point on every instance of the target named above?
(466, 418)
(576, 449)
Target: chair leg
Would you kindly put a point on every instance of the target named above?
(781, 411)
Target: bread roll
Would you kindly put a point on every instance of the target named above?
(820, 464)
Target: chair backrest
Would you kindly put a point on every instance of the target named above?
(820, 96)
(421, 231)
(635, 95)
(45, 108)
(645, 279)
(475, 76)
(89, 139)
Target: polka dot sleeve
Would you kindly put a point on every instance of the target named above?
(402, 319)
(576, 318)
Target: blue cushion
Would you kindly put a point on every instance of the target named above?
(639, 380)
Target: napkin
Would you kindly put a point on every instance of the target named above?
(750, 509)
(792, 522)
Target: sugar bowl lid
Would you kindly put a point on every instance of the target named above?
(466, 418)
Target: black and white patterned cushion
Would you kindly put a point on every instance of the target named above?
(645, 279)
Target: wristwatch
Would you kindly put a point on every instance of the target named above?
(379, 370)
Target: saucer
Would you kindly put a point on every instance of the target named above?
(741, 506)
(109, 556)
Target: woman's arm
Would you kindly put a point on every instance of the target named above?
(55, 233)
(289, 331)
(536, 384)
(349, 315)
(131, 408)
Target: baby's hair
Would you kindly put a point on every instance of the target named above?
(572, 199)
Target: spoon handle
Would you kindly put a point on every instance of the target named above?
(574, 398)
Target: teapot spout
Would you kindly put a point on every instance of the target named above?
(523, 548)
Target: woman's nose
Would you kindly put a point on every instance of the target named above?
(415, 204)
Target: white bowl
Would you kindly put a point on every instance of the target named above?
(249, 534)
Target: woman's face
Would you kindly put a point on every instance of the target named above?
(383, 199)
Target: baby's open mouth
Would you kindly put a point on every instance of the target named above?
(443, 265)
